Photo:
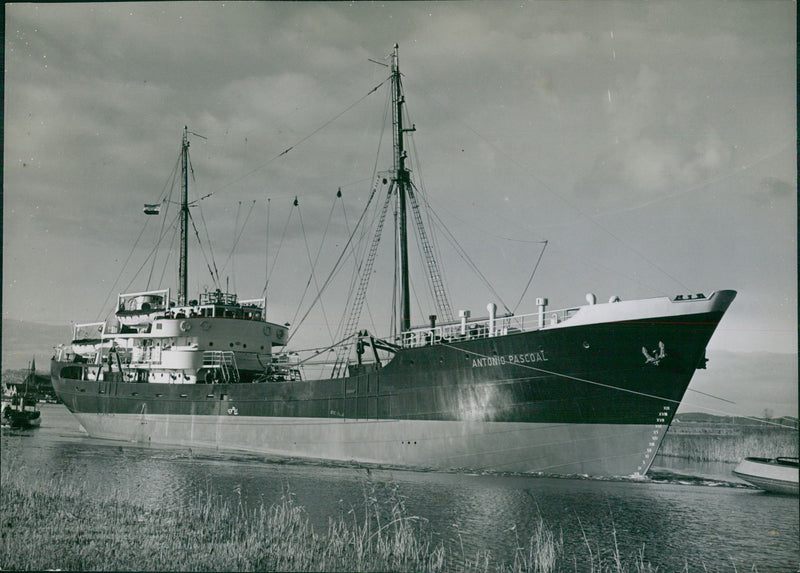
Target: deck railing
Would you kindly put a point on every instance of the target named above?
(483, 328)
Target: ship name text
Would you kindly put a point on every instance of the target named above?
(524, 358)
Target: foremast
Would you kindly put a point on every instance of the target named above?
(183, 271)
(402, 182)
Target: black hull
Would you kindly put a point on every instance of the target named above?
(578, 379)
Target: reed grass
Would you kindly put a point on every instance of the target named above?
(741, 442)
(55, 523)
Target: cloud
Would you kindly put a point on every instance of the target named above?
(773, 189)
(513, 116)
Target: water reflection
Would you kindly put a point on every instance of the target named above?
(699, 526)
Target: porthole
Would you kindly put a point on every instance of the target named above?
(585, 344)
(211, 344)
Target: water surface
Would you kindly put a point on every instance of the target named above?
(683, 515)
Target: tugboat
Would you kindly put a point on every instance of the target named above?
(21, 411)
(589, 389)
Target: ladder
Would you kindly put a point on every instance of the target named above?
(224, 361)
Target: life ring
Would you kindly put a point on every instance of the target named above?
(267, 331)
(205, 325)
(186, 326)
(280, 334)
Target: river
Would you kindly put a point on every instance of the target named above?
(683, 516)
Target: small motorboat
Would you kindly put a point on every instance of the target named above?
(778, 475)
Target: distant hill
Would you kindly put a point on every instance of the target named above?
(22, 341)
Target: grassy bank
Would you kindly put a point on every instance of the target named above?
(52, 524)
(728, 442)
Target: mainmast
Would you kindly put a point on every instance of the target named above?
(402, 183)
(183, 272)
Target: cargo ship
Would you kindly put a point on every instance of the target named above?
(587, 390)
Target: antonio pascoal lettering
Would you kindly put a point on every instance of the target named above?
(524, 358)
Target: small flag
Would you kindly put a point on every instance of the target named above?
(152, 209)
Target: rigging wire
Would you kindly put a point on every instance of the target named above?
(280, 244)
(200, 244)
(393, 326)
(162, 199)
(239, 235)
(356, 266)
(434, 275)
(125, 264)
(166, 202)
(421, 191)
(153, 251)
(339, 260)
(704, 184)
(312, 264)
(357, 302)
(215, 272)
(169, 251)
(463, 254)
(355, 248)
(266, 259)
(305, 138)
(233, 247)
(567, 202)
(530, 279)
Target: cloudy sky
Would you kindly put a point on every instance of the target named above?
(651, 144)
